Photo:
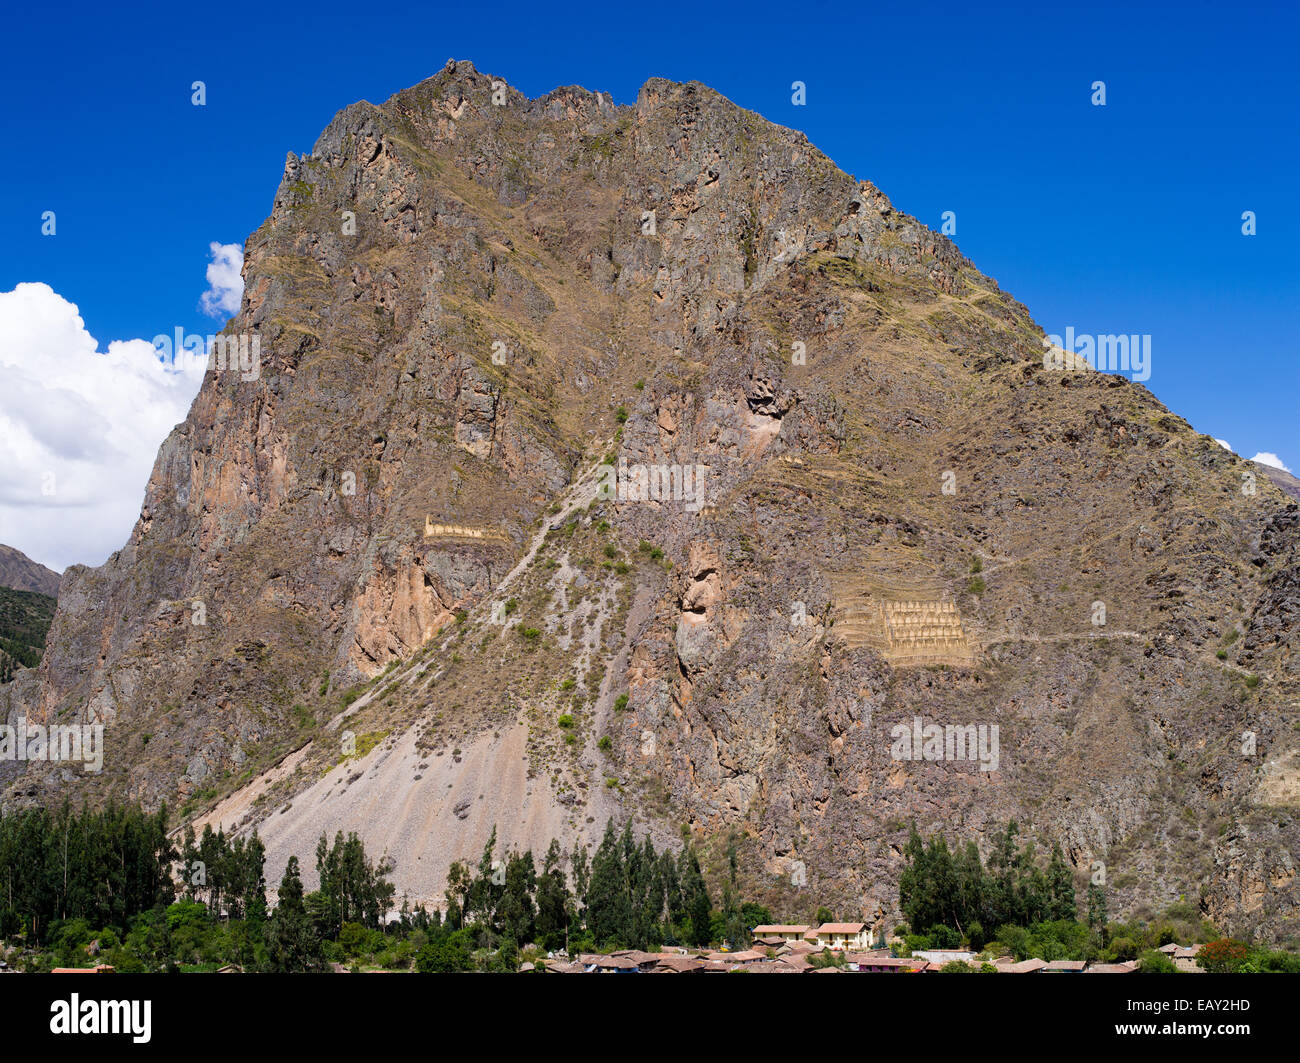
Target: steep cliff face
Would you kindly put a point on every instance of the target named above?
(841, 492)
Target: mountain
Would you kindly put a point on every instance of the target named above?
(20, 572)
(378, 584)
(1281, 477)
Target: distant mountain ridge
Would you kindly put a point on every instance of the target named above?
(20, 572)
(1283, 479)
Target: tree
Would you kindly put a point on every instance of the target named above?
(292, 941)
(1004, 902)
(1223, 956)
(670, 879)
(484, 891)
(1060, 887)
(456, 895)
(515, 911)
(943, 936)
(733, 923)
(554, 905)
(1097, 919)
(447, 953)
(581, 875)
(355, 890)
(698, 905)
(826, 958)
(609, 909)
(971, 887)
(1153, 961)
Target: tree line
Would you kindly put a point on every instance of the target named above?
(105, 866)
(624, 895)
(114, 882)
(957, 890)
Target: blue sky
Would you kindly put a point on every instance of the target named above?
(1124, 218)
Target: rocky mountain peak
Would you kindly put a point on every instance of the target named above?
(635, 461)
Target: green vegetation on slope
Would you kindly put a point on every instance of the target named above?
(25, 617)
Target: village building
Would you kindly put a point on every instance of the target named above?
(746, 957)
(594, 962)
(780, 932)
(875, 963)
(942, 956)
(774, 967)
(1184, 957)
(1009, 966)
(678, 965)
(839, 936)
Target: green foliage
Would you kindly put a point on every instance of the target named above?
(1271, 961)
(1122, 948)
(955, 891)
(220, 915)
(25, 618)
(826, 958)
(975, 585)
(446, 954)
(620, 703)
(102, 866)
(1152, 961)
(1062, 939)
(293, 942)
(352, 889)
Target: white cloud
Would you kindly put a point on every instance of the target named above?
(1265, 458)
(1224, 444)
(225, 280)
(79, 428)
